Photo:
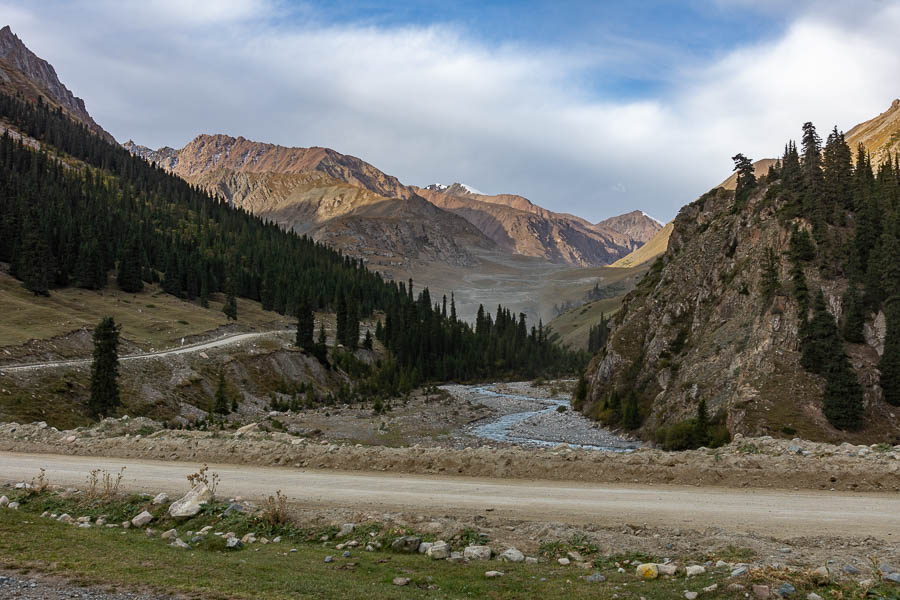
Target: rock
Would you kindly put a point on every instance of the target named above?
(886, 568)
(892, 577)
(564, 562)
(739, 571)
(160, 499)
(179, 543)
(530, 560)
(786, 590)
(439, 550)
(409, 543)
(84, 519)
(720, 564)
(456, 557)
(574, 556)
(814, 596)
(13, 506)
(233, 543)
(167, 535)
(248, 428)
(493, 574)
(694, 570)
(4, 500)
(647, 571)
(142, 519)
(710, 588)
(346, 529)
(667, 568)
(821, 575)
(330, 559)
(735, 587)
(512, 555)
(595, 578)
(851, 570)
(346, 554)
(691, 595)
(189, 504)
(249, 538)
(477, 553)
(398, 580)
(760, 591)
(232, 508)
(423, 547)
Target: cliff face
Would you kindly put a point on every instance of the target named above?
(22, 71)
(522, 227)
(697, 327)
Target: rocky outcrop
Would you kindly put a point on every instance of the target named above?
(22, 71)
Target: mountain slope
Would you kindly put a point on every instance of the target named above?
(23, 72)
(653, 248)
(334, 198)
(880, 136)
(725, 317)
(521, 227)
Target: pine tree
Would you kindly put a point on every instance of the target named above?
(843, 395)
(305, 325)
(36, 263)
(352, 326)
(341, 317)
(368, 343)
(222, 405)
(579, 396)
(890, 360)
(230, 306)
(770, 283)
(631, 415)
(854, 315)
(701, 425)
(128, 277)
(820, 341)
(104, 397)
(746, 180)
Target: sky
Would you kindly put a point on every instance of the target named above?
(591, 108)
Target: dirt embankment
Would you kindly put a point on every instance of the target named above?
(758, 462)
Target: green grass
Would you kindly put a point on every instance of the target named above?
(130, 558)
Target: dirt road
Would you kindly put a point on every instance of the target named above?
(226, 340)
(779, 514)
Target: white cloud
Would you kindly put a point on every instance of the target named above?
(432, 104)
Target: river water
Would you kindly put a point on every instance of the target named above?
(531, 417)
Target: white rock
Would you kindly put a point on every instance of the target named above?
(694, 570)
(4, 500)
(189, 505)
(691, 595)
(160, 499)
(171, 533)
(142, 519)
(564, 562)
(179, 543)
(512, 555)
(346, 529)
(477, 553)
(439, 550)
(424, 547)
(667, 568)
(493, 574)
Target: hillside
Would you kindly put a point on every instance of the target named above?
(880, 136)
(23, 72)
(333, 198)
(521, 227)
(654, 247)
(729, 315)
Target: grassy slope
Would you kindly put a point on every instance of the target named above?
(132, 559)
(150, 319)
(649, 251)
(574, 325)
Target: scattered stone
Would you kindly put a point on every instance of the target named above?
(595, 578)
(564, 562)
(821, 575)
(813, 596)
(13, 506)
(531, 560)
(761, 591)
(179, 543)
(721, 563)
(694, 570)
(190, 504)
(346, 529)
(710, 588)
(493, 574)
(851, 570)
(423, 547)
(886, 568)
(512, 555)
(329, 559)
(4, 500)
(667, 568)
(125, 524)
(892, 577)
(275, 540)
(691, 595)
(167, 535)
(232, 508)
(249, 538)
(786, 590)
(477, 553)
(439, 550)
(647, 571)
(739, 571)
(160, 499)
(233, 543)
(398, 580)
(409, 543)
(142, 519)
(735, 587)
(574, 556)
(346, 554)
(456, 557)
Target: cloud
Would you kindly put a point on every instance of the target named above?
(433, 104)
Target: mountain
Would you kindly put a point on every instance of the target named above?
(521, 227)
(23, 72)
(728, 324)
(332, 197)
(880, 136)
(651, 249)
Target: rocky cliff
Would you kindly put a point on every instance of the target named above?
(23, 72)
(522, 227)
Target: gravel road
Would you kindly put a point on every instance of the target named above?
(779, 514)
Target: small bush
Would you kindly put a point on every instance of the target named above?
(210, 480)
(275, 510)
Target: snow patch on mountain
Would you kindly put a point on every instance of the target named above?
(653, 219)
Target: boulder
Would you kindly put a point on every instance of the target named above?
(424, 546)
(647, 571)
(142, 519)
(409, 543)
(740, 571)
(477, 553)
(439, 550)
(512, 555)
(189, 505)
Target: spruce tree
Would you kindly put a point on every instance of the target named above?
(854, 315)
(631, 415)
(305, 325)
(104, 397)
(128, 277)
(890, 360)
(701, 425)
(222, 405)
(36, 263)
(230, 306)
(341, 325)
(352, 325)
(770, 283)
(843, 395)
(746, 180)
(820, 343)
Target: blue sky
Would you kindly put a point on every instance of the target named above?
(592, 108)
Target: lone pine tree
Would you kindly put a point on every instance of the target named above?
(104, 397)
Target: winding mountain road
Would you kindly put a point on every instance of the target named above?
(779, 514)
(226, 340)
